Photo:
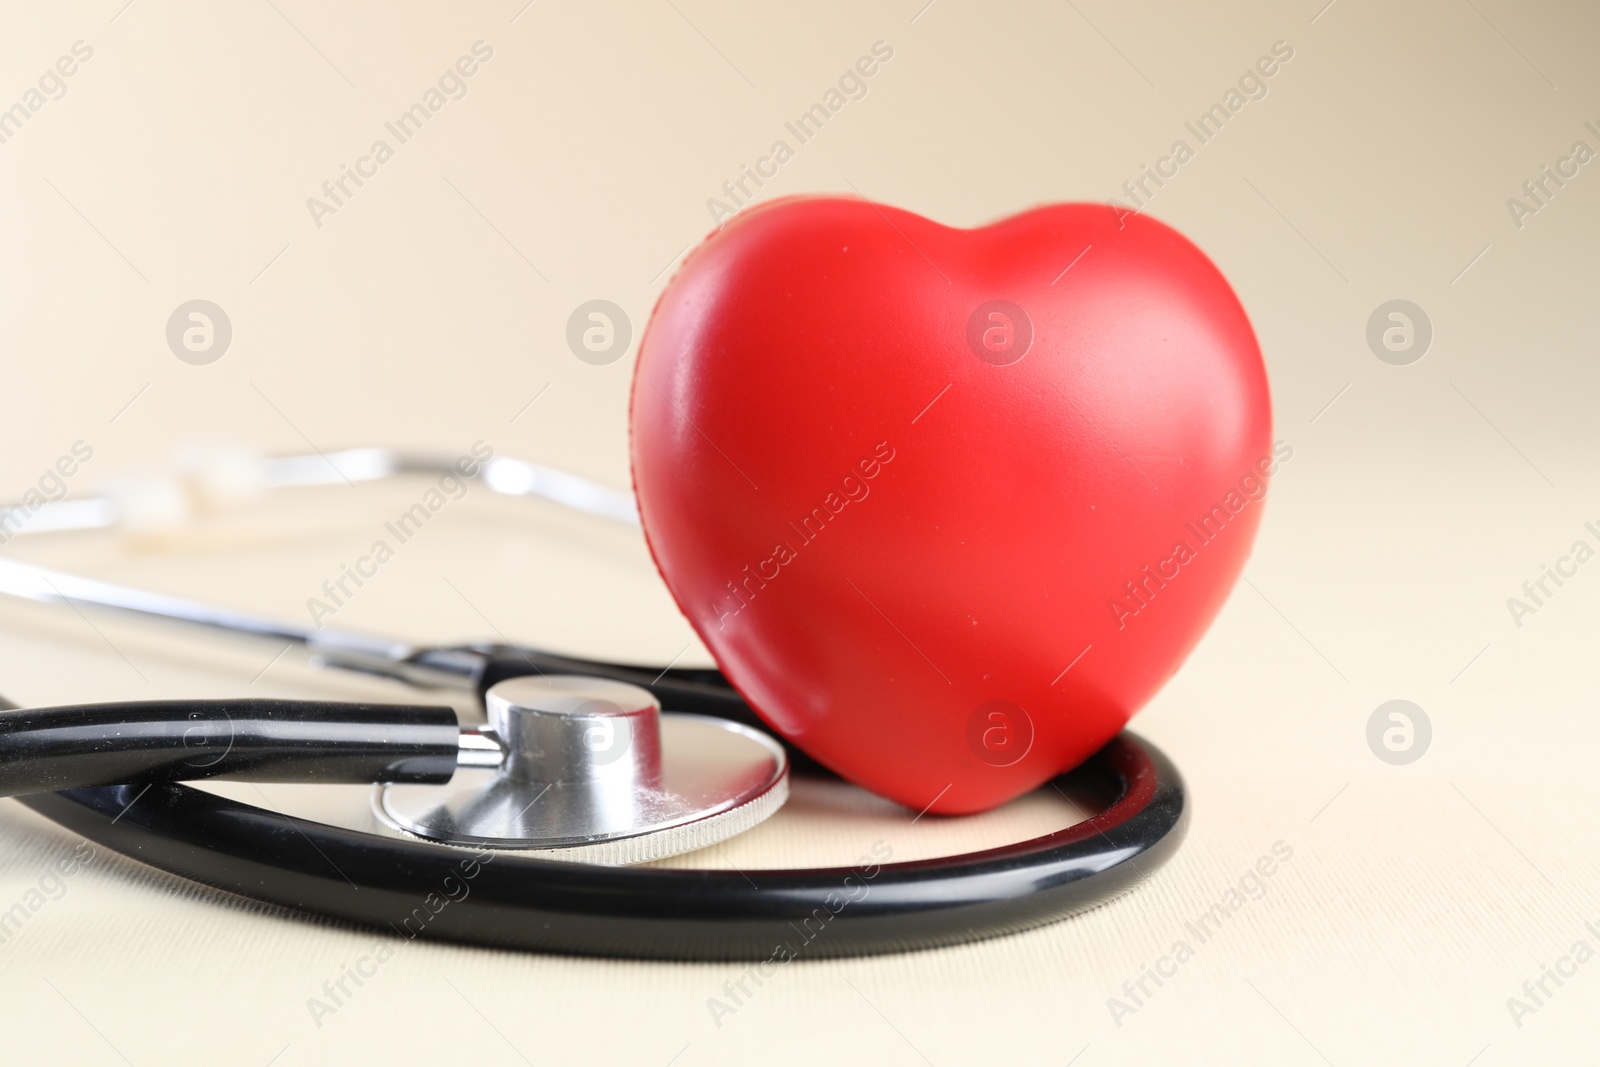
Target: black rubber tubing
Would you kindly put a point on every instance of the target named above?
(416, 889)
(45, 749)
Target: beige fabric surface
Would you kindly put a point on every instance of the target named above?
(431, 308)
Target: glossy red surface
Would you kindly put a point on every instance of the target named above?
(907, 528)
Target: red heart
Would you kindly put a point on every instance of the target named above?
(921, 490)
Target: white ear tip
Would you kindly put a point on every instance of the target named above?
(221, 472)
(149, 504)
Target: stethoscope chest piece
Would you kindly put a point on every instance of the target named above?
(590, 770)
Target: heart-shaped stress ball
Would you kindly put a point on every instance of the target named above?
(948, 506)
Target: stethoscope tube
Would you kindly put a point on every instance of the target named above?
(414, 889)
(259, 740)
(418, 889)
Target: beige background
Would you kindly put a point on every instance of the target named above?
(432, 307)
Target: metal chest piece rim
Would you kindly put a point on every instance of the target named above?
(592, 771)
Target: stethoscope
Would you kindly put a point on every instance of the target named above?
(525, 832)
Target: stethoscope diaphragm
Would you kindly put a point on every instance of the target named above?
(591, 771)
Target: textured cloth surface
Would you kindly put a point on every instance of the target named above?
(1413, 914)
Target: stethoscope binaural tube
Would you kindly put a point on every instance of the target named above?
(415, 889)
(472, 668)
